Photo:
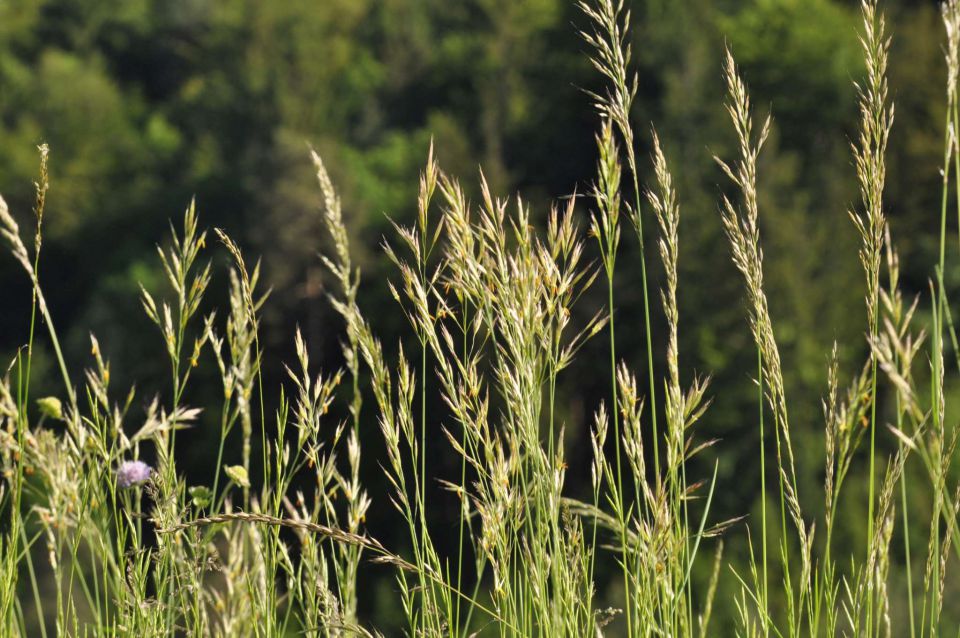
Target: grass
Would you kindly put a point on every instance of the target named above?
(490, 302)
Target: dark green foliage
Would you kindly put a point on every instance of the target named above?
(147, 103)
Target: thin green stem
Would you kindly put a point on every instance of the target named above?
(763, 492)
(35, 590)
(616, 438)
(906, 550)
(423, 443)
(873, 445)
(646, 311)
(463, 486)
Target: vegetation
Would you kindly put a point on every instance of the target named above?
(107, 530)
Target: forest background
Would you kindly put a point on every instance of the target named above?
(147, 104)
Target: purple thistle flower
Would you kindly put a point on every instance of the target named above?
(133, 473)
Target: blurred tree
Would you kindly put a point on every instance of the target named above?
(147, 103)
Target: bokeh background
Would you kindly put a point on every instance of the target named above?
(148, 103)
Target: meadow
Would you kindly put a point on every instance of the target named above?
(103, 534)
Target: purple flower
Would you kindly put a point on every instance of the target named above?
(133, 473)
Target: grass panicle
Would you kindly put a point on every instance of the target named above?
(94, 501)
